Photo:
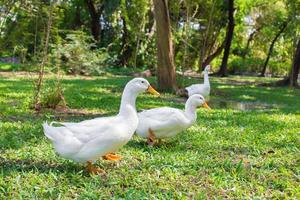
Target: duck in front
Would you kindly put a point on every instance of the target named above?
(88, 140)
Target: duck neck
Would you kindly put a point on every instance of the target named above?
(128, 102)
(206, 80)
(190, 111)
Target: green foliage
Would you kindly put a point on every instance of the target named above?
(17, 67)
(75, 55)
(52, 95)
(238, 65)
(127, 37)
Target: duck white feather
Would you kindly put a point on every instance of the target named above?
(166, 122)
(90, 139)
(203, 89)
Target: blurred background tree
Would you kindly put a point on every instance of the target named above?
(253, 37)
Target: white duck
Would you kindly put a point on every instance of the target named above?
(166, 122)
(88, 140)
(203, 89)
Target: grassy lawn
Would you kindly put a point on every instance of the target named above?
(228, 153)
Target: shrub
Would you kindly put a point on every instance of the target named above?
(75, 55)
(254, 65)
(52, 95)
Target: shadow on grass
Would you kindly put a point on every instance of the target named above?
(28, 165)
(166, 145)
(9, 166)
(15, 85)
(281, 96)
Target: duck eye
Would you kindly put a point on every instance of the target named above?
(143, 81)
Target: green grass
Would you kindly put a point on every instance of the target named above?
(10, 67)
(227, 154)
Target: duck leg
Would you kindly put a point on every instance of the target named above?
(151, 137)
(93, 170)
(112, 156)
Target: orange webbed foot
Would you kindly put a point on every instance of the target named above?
(151, 137)
(112, 156)
(94, 170)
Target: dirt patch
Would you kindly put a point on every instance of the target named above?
(65, 113)
(70, 111)
(234, 82)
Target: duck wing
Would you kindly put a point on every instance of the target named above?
(83, 131)
(78, 142)
(161, 118)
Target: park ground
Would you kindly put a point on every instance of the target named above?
(228, 153)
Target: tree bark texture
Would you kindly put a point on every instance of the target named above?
(295, 67)
(250, 39)
(39, 81)
(212, 56)
(95, 15)
(281, 30)
(166, 75)
(126, 51)
(229, 35)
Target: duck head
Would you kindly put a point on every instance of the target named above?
(139, 85)
(198, 100)
(206, 69)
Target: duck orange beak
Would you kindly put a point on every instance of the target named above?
(206, 106)
(151, 90)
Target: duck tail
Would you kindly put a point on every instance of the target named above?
(50, 131)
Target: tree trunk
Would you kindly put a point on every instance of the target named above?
(95, 18)
(77, 19)
(250, 39)
(150, 26)
(205, 49)
(281, 30)
(39, 81)
(229, 35)
(292, 78)
(166, 75)
(295, 67)
(126, 51)
(212, 56)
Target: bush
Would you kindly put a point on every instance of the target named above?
(238, 65)
(75, 55)
(52, 95)
(277, 68)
